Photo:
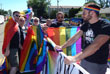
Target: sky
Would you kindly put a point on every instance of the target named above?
(21, 5)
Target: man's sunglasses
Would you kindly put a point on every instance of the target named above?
(22, 20)
(17, 15)
(35, 20)
(60, 17)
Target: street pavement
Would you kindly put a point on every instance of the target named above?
(1, 38)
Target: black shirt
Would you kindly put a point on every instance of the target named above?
(91, 31)
(59, 24)
(21, 35)
(14, 43)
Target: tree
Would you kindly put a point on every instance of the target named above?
(91, 1)
(53, 14)
(104, 3)
(10, 12)
(73, 12)
(39, 7)
(101, 3)
(3, 12)
(66, 15)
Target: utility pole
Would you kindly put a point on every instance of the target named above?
(58, 5)
(49, 4)
(1, 6)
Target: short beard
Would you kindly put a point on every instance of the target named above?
(87, 20)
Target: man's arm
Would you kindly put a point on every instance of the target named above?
(72, 39)
(7, 51)
(91, 49)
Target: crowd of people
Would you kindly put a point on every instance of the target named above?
(95, 33)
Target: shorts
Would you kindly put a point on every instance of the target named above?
(94, 68)
(13, 58)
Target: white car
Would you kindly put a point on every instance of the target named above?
(1, 19)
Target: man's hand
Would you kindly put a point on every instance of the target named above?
(58, 48)
(20, 46)
(69, 60)
(44, 28)
(7, 52)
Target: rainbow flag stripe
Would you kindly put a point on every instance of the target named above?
(91, 8)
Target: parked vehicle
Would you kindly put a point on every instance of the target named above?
(2, 19)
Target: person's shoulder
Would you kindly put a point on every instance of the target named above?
(104, 24)
(65, 24)
(53, 24)
(84, 24)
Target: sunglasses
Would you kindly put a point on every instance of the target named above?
(22, 20)
(17, 15)
(35, 21)
(60, 17)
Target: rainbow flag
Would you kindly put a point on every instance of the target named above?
(26, 48)
(61, 35)
(34, 50)
(27, 13)
(11, 28)
(56, 65)
(37, 57)
(41, 58)
(51, 62)
(4, 66)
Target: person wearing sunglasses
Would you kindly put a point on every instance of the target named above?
(59, 20)
(36, 21)
(16, 16)
(11, 42)
(22, 33)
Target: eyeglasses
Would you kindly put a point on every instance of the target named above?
(22, 20)
(60, 17)
(35, 21)
(17, 15)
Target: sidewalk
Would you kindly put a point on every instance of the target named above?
(1, 38)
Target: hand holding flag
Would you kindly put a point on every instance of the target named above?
(58, 48)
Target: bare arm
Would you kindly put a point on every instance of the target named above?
(92, 48)
(72, 39)
(7, 52)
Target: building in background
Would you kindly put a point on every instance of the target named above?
(64, 9)
(104, 13)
